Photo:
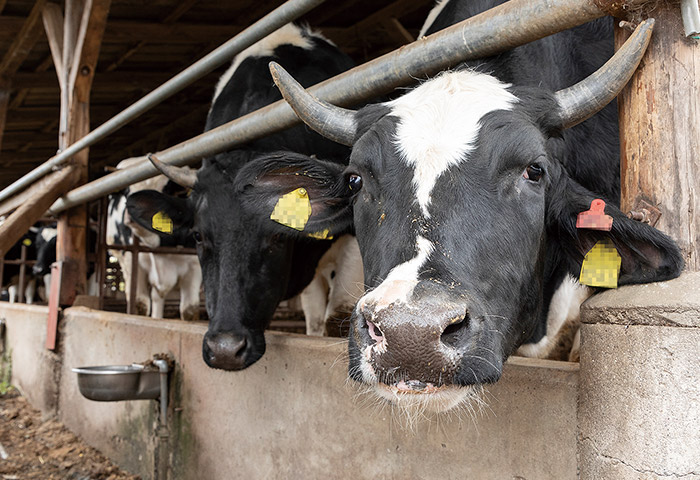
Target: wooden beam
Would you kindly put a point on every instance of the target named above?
(44, 193)
(24, 41)
(4, 104)
(173, 17)
(660, 133)
(53, 25)
(83, 29)
(2, 5)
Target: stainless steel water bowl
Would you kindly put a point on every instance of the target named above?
(112, 383)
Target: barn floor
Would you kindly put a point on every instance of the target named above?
(45, 449)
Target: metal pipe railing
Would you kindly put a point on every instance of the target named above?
(279, 17)
(518, 21)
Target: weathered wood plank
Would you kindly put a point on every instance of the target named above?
(44, 193)
(660, 133)
(84, 26)
(24, 41)
(53, 25)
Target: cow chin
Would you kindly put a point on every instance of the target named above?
(431, 400)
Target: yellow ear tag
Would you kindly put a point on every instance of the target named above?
(293, 209)
(162, 222)
(601, 265)
(26, 242)
(322, 235)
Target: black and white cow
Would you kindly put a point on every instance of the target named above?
(248, 264)
(465, 195)
(45, 243)
(157, 273)
(9, 290)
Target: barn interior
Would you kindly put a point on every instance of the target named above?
(144, 45)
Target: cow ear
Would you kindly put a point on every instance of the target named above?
(159, 213)
(647, 255)
(299, 195)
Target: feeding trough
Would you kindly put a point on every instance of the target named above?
(110, 383)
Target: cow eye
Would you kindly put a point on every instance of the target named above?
(533, 173)
(354, 182)
(197, 237)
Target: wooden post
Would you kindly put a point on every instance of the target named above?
(660, 132)
(83, 27)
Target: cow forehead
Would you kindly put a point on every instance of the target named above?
(438, 124)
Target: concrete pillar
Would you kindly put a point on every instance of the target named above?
(639, 391)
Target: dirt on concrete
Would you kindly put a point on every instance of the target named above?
(36, 449)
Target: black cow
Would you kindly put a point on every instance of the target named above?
(248, 265)
(466, 193)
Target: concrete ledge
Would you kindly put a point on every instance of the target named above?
(675, 303)
(294, 414)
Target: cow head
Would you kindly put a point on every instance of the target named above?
(249, 262)
(462, 207)
(45, 242)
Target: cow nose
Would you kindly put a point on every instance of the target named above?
(417, 344)
(225, 351)
(37, 270)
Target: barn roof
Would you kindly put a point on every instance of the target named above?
(145, 44)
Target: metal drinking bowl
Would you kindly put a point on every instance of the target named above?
(111, 383)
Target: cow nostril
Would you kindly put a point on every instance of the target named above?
(450, 336)
(374, 331)
(239, 348)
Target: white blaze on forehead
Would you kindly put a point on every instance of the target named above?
(402, 279)
(48, 233)
(439, 122)
(290, 34)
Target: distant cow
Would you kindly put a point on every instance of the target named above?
(248, 263)
(45, 243)
(465, 195)
(10, 273)
(159, 273)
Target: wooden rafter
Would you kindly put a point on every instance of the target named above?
(24, 41)
(173, 17)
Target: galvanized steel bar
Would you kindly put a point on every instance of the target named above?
(518, 22)
(282, 15)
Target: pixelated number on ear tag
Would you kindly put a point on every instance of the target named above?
(595, 218)
(293, 209)
(26, 242)
(162, 222)
(322, 235)
(601, 265)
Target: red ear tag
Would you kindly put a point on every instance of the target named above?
(595, 218)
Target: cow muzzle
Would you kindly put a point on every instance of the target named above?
(414, 348)
(227, 351)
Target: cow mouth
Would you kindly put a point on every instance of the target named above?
(411, 396)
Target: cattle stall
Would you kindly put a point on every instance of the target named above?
(629, 409)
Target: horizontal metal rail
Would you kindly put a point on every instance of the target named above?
(279, 17)
(518, 22)
(163, 250)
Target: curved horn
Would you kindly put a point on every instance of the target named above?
(335, 123)
(182, 176)
(590, 95)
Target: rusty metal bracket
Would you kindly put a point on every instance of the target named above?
(645, 212)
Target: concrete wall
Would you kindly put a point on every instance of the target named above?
(35, 370)
(294, 415)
